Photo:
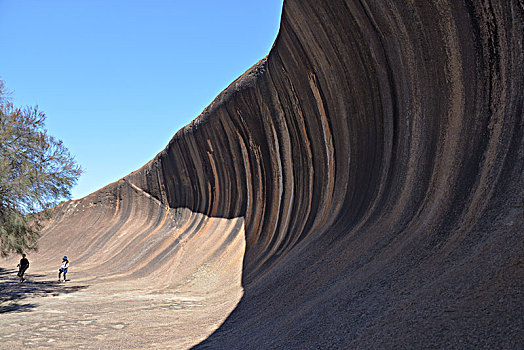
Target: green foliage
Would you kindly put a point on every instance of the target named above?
(36, 172)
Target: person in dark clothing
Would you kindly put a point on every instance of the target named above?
(22, 267)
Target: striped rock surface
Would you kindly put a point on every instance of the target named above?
(360, 187)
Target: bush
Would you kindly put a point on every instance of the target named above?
(36, 173)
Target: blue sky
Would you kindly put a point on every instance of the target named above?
(117, 79)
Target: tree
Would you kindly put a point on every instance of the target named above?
(36, 173)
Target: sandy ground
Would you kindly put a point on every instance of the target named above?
(89, 314)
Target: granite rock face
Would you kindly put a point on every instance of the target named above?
(373, 161)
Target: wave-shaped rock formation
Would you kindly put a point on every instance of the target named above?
(372, 167)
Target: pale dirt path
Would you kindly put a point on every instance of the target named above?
(41, 313)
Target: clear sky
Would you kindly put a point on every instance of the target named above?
(118, 78)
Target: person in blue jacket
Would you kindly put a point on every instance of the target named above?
(63, 268)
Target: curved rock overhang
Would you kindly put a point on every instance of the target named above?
(373, 161)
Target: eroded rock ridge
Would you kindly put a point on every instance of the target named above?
(373, 161)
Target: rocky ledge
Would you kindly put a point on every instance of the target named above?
(362, 184)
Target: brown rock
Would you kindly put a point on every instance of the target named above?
(371, 166)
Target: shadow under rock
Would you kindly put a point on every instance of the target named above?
(12, 292)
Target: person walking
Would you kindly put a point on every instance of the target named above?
(63, 268)
(22, 267)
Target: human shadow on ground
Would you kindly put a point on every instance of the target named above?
(13, 293)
